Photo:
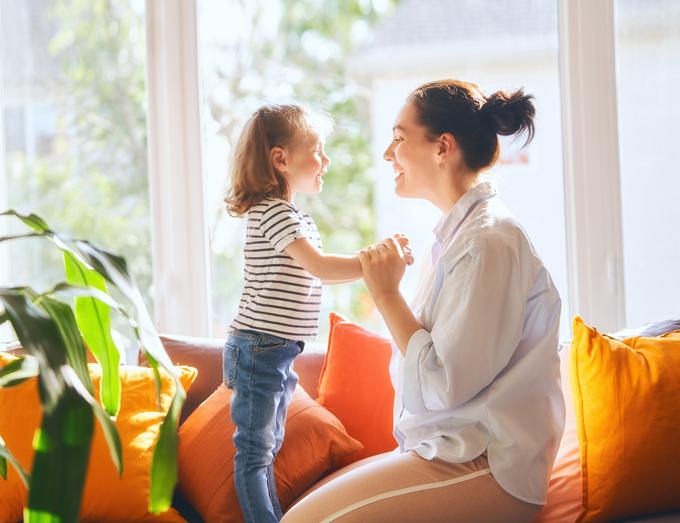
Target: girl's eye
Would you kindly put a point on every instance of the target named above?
(397, 139)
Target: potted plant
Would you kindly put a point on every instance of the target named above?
(56, 328)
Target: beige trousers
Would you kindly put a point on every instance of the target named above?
(403, 487)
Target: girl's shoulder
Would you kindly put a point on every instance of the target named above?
(272, 203)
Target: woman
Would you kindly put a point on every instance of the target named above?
(478, 408)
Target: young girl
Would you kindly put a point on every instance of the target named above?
(280, 153)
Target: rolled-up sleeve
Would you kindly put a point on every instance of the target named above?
(281, 226)
(476, 327)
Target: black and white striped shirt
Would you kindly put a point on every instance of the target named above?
(279, 296)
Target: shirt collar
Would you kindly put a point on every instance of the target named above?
(448, 223)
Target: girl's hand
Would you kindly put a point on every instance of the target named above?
(402, 242)
(383, 266)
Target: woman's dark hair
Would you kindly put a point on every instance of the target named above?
(475, 120)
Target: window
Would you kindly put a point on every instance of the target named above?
(73, 134)
(273, 51)
(648, 73)
(497, 45)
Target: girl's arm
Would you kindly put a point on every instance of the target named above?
(337, 268)
(326, 267)
(336, 282)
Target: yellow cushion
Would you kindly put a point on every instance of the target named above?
(106, 496)
(627, 402)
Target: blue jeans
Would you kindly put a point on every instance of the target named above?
(258, 367)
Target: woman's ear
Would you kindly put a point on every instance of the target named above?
(447, 147)
(279, 159)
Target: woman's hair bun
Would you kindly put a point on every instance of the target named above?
(510, 113)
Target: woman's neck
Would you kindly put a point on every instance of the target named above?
(452, 188)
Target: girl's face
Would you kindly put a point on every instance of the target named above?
(306, 164)
(412, 155)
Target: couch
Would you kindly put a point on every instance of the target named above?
(206, 356)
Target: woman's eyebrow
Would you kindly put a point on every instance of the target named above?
(397, 127)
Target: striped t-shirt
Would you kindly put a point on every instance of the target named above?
(279, 296)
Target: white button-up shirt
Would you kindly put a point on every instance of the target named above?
(483, 372)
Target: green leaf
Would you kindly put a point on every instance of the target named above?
(80, 380)
(34, 221)
(61, 454)
(114, 269)
(6, 455)
(62, 443)
(18, 371)
(105, 421)
(164, 464)
(94, 320)
(39, 337)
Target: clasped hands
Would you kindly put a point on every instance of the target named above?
(383, 265)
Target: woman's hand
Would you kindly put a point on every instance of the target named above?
(383, 266)
(403, 242)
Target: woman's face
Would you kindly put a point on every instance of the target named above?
(412, 155)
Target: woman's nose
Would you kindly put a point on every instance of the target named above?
(388, 155)
(326, 160)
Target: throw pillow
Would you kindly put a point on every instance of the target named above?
(355, 385)
(314, 443)
(106, 497)
(626, 397)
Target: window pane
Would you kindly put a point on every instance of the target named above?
(497, 45)
(648, 73)
(358, 63)
(263, 51)
(74, 131)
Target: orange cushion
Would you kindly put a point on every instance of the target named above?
(106, 497)
(355, 385)
(626, 398)
(313, 444)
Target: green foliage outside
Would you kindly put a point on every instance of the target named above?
(306, 58)
(90, 179)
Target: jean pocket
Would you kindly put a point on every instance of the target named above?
(269, 342)
(231, 354)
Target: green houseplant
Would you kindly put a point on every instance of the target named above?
(56, 328)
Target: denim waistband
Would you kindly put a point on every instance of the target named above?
(256, 336)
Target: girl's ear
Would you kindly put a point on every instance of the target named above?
(447, 147)
(279, 159)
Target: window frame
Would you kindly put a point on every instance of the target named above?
(591, 162)
(181, 276)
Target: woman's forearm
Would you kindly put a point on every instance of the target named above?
(398, 317)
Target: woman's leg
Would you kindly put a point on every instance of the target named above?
(403, 487)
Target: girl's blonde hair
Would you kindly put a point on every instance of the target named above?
(253, 176)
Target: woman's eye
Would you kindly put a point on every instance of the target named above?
(397, 139)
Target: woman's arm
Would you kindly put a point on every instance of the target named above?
(383, 268)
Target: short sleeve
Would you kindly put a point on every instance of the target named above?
(281, 225)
